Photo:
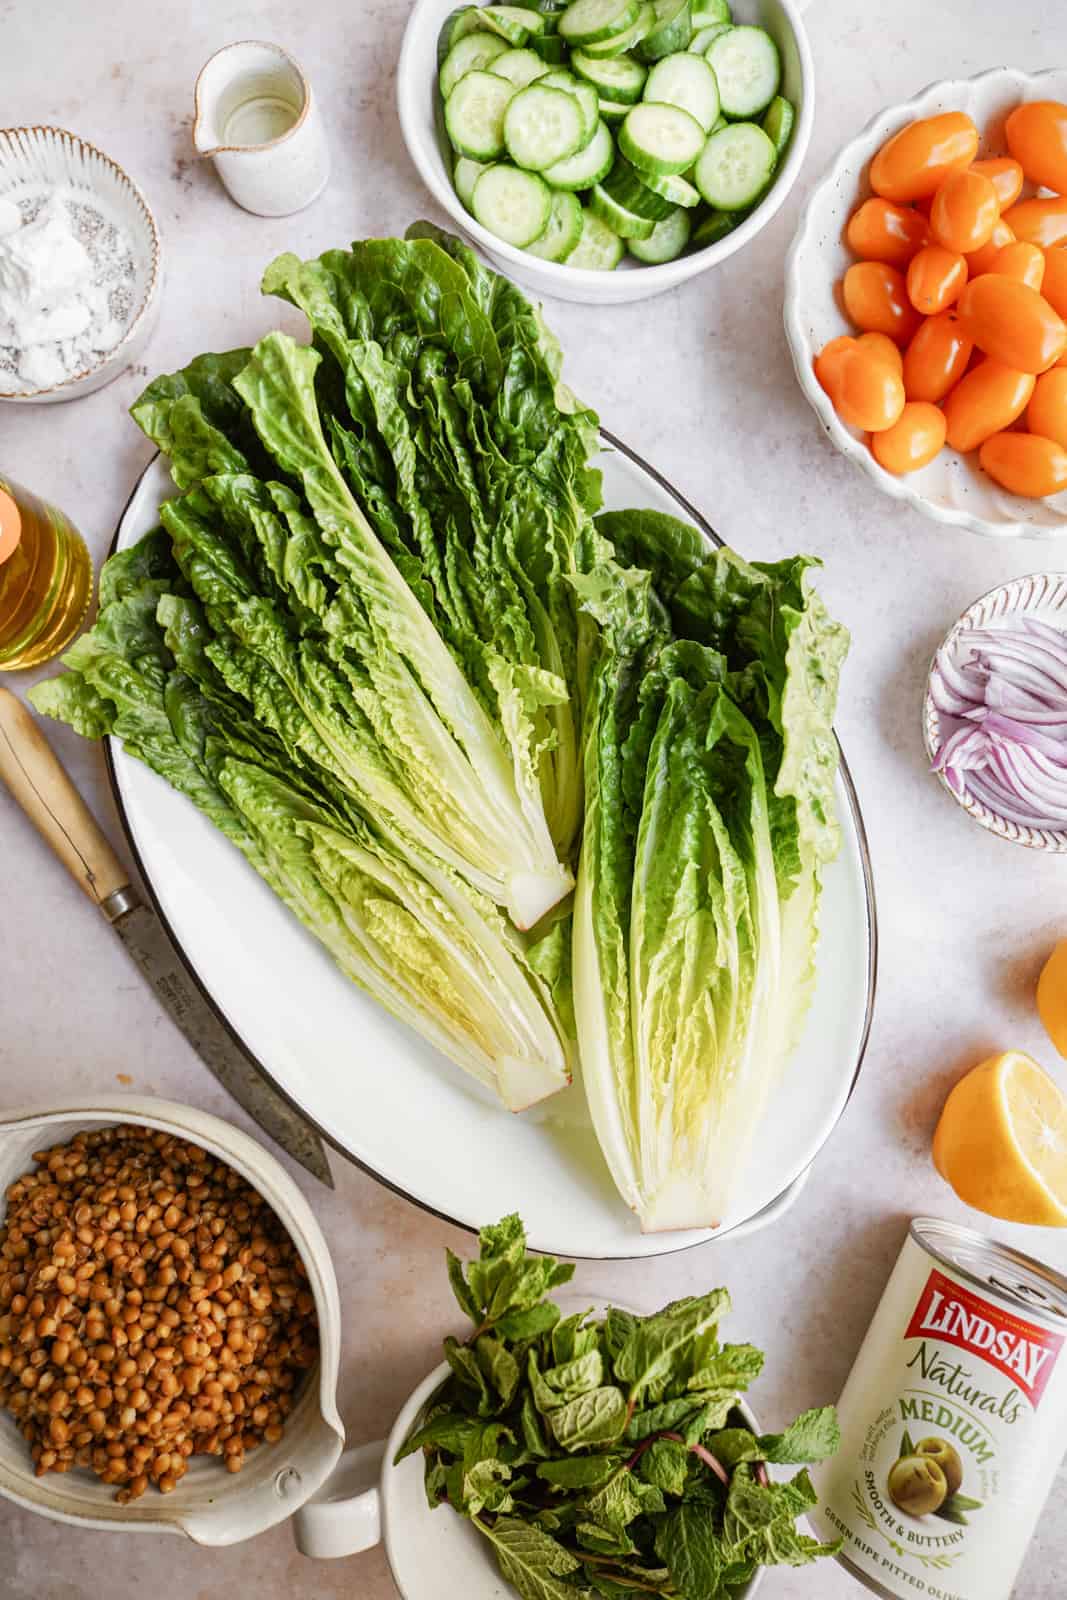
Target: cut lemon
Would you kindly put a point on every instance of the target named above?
(1052, 997)
(1002, 1141)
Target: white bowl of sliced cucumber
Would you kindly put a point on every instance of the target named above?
(569, 138)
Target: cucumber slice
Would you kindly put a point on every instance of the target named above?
(672, 32)
(706, 13)
(627, 224)
(474, 115)
(465, 175)
(585, 96)
(715, 226)
(618, 78)
(747, 69)
(619, 43)
(702, 41)
(676, 191)
(735, 166)
(627, 188)
(720, 122)
(614, 110)
(513, 23)
(583, 170)
(586, 21)
(519, 67)
(666, 241)
(475, 52)
(687, 81)
(599, 249)
(564, 228)
(542, 127)
(512, 204)
(550, 47)
(454, 28)
(661, 139)
(778, 123)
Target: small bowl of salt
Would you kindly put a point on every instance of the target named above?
(80, 267)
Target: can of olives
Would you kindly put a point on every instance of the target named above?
(953, 1420)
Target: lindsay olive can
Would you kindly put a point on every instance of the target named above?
(953, 1420)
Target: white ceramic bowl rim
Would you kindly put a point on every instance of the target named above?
(409, 92)
(845, 172)
(153, 269)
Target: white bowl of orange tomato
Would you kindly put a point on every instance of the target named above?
(926, 302)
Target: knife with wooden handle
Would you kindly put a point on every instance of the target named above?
(32, 772)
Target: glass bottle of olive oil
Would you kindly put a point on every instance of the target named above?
(46, 578)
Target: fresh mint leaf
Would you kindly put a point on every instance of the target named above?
(734, 1367)
(461, 1289)
(657, 1346)
(531, 1560)
(451, 1431)
(464, 1364)
(571, 1338)
(595, 1418)
(614, 1506)
(812, 1437)
(604, 1541)
(618, 1327)
(665, 1464)
(580, 1472)
(499, 1367)
(753, 1507)
(734, 1445)
(515, 1327)
(671, 1415)
(576, 1377)
(533, 1433)
(687, 1544)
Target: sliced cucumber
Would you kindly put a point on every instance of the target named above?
(627, 224)
(676, 191)
(619, 43)
(778, 123)
(627, 188)
(474, 115)
(586, 21)
(702, 41)
(514, 205)
(564, 228)
(599, 249)
(519, 67)
(720, 122)
(672, 32)
(550, 47)
(543, 126)
(583, 93)
(615, 77)
(465, 175)
(454, 28)
(586, 168)
(660, 139)
(735, 166)
(706, 13)
(614, 110)
(475, 52)
(686, 81)
(666, 241)
(715, 226)
(746, 66)
(513, 23)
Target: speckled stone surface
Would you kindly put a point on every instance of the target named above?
(699, 383)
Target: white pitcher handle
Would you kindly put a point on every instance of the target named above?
(345, 1516)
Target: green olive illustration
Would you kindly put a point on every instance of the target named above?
(947, 1458)
(917, 1485)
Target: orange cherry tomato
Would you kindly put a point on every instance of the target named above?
(935, 280)
(1020, 260)
(965, 212)
(988, 399)
(1012, 323)
(881, 344)
(881, 231)
(1005, 175)
(1042, 222)
(936, 358)
(912, 441)
(876, 299)
(1037, 137)
(866, 391)
(828, 362)
(917, 160)
(1054, 283)
(979, 261)
(1024, 463)
(1047, 412)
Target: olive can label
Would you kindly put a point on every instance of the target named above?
(953, 1426)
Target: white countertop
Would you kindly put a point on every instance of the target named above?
(700, 383)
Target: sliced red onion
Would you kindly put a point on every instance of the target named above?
(1024, 733)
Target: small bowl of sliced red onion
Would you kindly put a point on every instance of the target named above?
(995, 715)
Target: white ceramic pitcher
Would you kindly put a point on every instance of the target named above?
(257, 120)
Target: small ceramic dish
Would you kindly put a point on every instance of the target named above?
(417, 102)
(952, 488)
(34, 160)
(1043, 596)
(210, 1505)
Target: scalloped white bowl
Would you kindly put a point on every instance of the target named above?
(1042, 595)
(952, 488)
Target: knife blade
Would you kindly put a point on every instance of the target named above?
(37, 780)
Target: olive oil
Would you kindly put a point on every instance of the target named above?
(46, 578)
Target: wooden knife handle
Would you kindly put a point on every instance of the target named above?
(32, 771)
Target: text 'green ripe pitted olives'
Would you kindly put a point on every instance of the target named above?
(947, 1458)
(917, 1485)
